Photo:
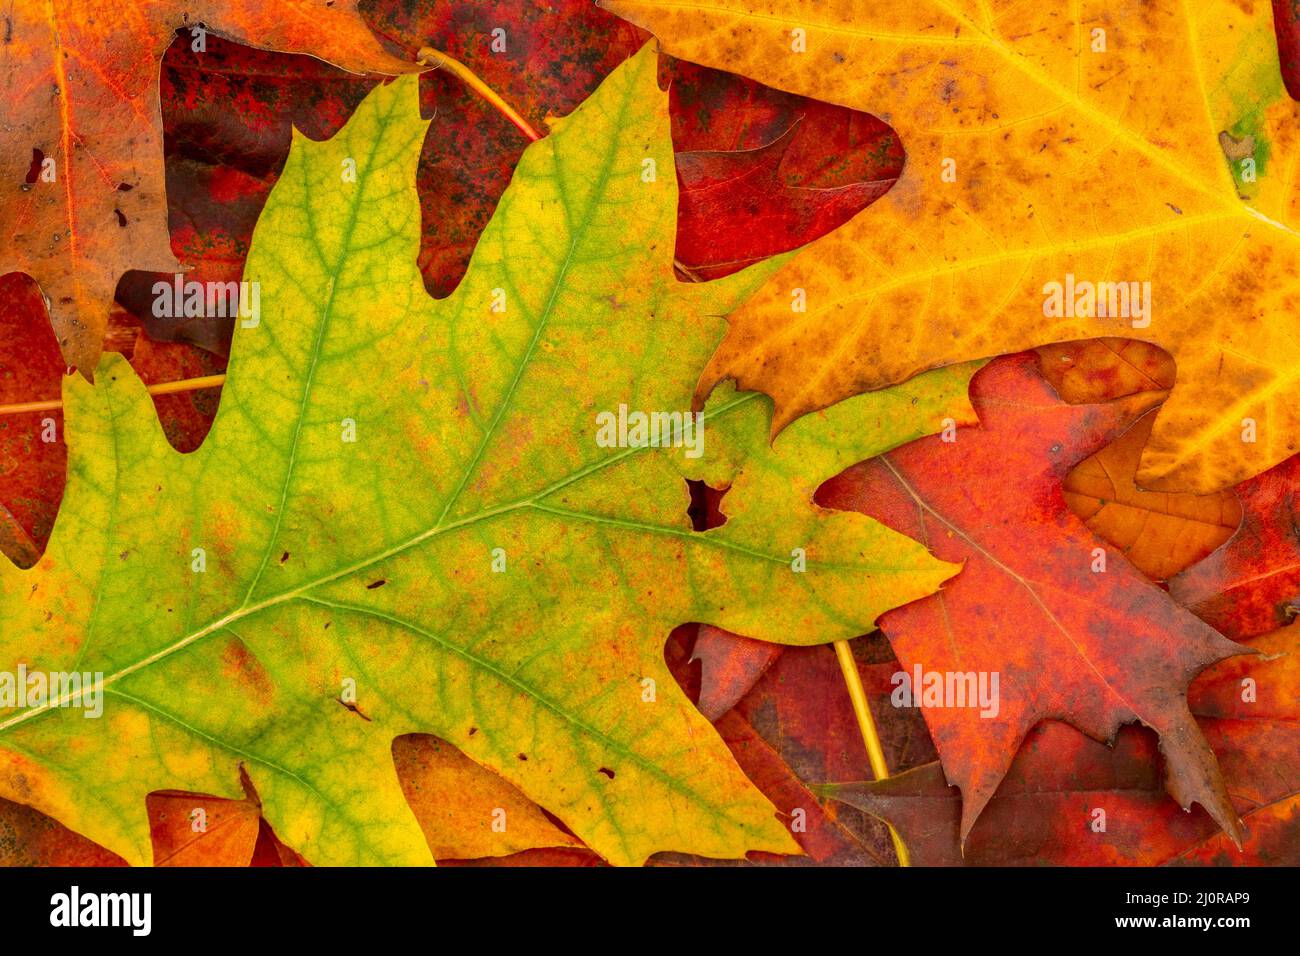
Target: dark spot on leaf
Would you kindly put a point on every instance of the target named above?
(523, 757)
(607, 772)
(34, 171)
(354, 708)
(284, 557)
(376, 584)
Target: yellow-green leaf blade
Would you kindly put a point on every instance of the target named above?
(474, 564)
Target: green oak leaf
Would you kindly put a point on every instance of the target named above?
(474, 563)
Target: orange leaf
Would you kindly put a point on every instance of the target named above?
(83, 136)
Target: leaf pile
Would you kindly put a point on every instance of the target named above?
(330, 560)
(386, 593)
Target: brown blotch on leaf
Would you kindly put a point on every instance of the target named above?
(1236, 149)
(352, 707)
(241, 665)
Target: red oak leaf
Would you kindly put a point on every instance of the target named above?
(1068, 630)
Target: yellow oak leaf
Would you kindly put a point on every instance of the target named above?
(1063, 161)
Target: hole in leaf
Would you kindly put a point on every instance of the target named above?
(705, 509)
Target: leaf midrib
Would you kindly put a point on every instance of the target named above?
(245, 610)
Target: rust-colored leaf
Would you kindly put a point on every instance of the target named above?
(465, 810)
(1070, 800)
(31, 467)
(1065, 639)
(1096, 370)
(190, 830)
(730, 665)
(1160, 532)
(1251, 585)
(83, 136)
(30, 838)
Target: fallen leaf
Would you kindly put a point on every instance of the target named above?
(1065, 639)
(189, 830)
(1044, 145)
(802, 711)
(29, 838)
(763, 172)
(730, 665)
(794, 730)
(775, 734)
(84, 142)
(32, 452)
(1160, 532)
(466, 811)
(1072, 801)
(1251, 584)
(330, 567)
(228, 112)
(31, 467)
(1098, 370)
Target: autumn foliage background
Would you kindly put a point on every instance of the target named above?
(761, 172)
